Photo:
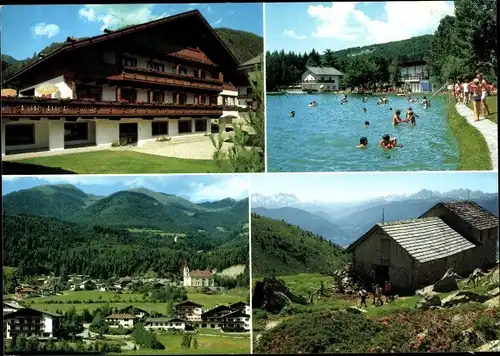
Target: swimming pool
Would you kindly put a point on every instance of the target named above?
(324, 138)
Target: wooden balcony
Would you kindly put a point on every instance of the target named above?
(50, 108)
(245, 96)
(414, 77)
(165, 79)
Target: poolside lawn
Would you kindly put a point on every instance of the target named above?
(491, 101)
(473, 150)
(113, 162)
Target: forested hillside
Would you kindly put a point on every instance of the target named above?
(39, 245)
(279, 248)
(244, 45)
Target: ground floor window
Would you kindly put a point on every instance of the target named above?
(201, 125)
(19, 134)
(184, 126)
(160, 128)
(76, 131)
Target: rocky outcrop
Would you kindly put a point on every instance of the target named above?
(355, 310)
(493, 303)
(429, 299)
(345, 280)
(494, 292)
(273, 295)
(448, 283)
(463, 297)
(491, 346)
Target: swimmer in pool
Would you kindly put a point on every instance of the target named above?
(385, 141)
(344, 99)
(396, 119)
(367, 123)
(292, 113)
(363, 142)
(364, 109)
(410, 117)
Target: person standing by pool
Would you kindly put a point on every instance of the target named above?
(465, 91)
(484, 93)
(396, 119)
(475, 88)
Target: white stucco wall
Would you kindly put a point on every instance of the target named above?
(48, 326)
(173, 130)
(108, 93)
(144, 131)
(64, 90)
(107, 132)
(56, 135)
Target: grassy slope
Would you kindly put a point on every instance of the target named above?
(492, 102)
(474, 153)
(280, 248)
(109, 162)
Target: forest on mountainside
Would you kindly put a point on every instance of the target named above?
(280, 248)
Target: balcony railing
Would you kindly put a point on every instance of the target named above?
(172, 75)
(414, 77)
(28, 107)
(166, 79)
(245, 96)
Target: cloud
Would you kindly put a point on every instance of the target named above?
(116, 16)
(215, 23)
(235, 187)
(344, 21)
(45, 29)
(294, 35)
(209, 9)
(64, 179)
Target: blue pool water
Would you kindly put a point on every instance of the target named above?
(324, 138)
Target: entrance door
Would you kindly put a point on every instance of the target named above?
(128, 133)
(381, 275)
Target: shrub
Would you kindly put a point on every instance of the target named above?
(116, 144)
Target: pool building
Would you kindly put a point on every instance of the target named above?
(167, 77)
(415, 76)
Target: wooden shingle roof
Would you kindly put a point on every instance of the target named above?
(473, 214)
(427, 239)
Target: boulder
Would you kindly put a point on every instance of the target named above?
(273, 295)
(463, 296)
(426, 290)
(429, 299)
(491, 346)
(451, 273)
(445, 285)
(493, 303)
(495, 276)
(355, 310)
(494, 292)
(458, 319)
(473, 297)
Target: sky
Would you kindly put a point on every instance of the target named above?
(195, 188)
(353, 187)
(300, 27)
(27, 29)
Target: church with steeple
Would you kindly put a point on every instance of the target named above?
(197, 278)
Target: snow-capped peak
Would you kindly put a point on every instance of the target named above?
(278, 200)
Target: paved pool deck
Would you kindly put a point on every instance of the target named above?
(488, 129)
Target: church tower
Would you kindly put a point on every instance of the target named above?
(186, 278)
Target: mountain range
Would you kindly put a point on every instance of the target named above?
(345, 222)
(134, 208)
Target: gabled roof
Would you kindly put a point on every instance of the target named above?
(121, 316)
(252, 62)
(201, 274)
(188, 303)
(216, 310)
(425, 239)
(324, 71)
(28, 311)
(236, 314)
(470, 212)
(69, 46)
(134, 308)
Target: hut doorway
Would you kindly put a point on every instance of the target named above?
(381, 275)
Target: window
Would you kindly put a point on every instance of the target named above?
(183, 71)
(156, 66)
(213, 100)
(185, 126)
(20, 134)
(76, 131)
(109, 57)
(160, 128)
(129, 62)
(322, 78)
(215, 75)
(200, 125)
(203, 75)
(249, 91)
(182, 98)
(129, 95)
(158, 97)
(203, 99)
(88, 92)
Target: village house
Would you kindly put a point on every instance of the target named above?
(321, 79)
(125, 320)
(129, 86)
(225, 318)
(415, 76)
(163, 323)
(416, 253)
(31, 323)
(197, 278)
(138, 312)
(189, 311)
(26, 292)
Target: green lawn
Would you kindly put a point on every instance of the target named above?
(120, 162)
(219, 344)
(208, 301)
(491, 101)
(473, 151)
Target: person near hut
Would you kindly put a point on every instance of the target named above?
(363, 294)
(387, 291)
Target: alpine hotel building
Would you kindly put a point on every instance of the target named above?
(171, 76)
